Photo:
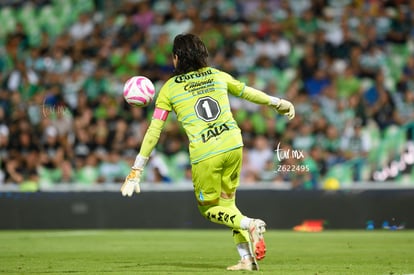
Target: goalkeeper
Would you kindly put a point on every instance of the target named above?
(198, 94)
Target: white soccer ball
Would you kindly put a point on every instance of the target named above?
(139, 91)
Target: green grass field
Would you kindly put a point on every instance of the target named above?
(202, 251)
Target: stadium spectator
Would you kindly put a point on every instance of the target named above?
(315, 84)
(113, 168)
(82, 28)
(406, 80)
(67, 172)
(156, 28)
(400, 26)
(355, 144)
(14, 171)
(405, 106)
(259, 155)
(95, 85)
(52, 156)
(22, 79)
(348, 83)
(4, 152)
(179, 23)
(277, 48)
(72, 87)
(129, 33)
(58, 63)
(381, 104)
(344, 48)
(86, 170)
(176, 158)
(158, 169)
(307, 26)
(144, 17)
(371, 62)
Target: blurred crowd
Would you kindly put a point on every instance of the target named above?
(348, 67)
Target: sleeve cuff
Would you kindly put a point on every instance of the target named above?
(140, 162)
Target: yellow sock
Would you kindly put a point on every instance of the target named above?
(240, 236)
(225, 213)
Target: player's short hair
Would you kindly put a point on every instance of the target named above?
(191, 52)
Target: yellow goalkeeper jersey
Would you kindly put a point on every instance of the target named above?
(201, 102)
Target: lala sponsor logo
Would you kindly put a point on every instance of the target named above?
(214, 131)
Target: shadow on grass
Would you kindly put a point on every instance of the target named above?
(173, 266)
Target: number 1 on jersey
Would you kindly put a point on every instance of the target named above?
(207, 108)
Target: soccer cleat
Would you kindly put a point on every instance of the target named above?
(245, 264)
(256, 230)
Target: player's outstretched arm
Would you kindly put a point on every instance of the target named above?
(282, 106)
(151, 138)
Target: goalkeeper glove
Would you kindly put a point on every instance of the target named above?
(131, 183)
(283, 107)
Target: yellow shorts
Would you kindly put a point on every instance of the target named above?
(217, 176)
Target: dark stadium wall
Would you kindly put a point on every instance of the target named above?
(280, 209)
